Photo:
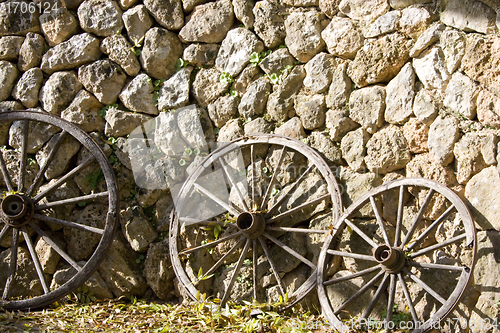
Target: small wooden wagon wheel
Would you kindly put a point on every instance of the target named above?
(36, 213)
(400, 258)
(244, 218)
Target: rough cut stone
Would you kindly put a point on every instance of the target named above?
(258, 125)
(367, 10)
(48, 257)
(231, 130)
(427, 38)
(8, 77)
(246, 77)
(423, 165)
(254, 100)
(280, 102)
(60, 162)
(12, 156)
(236, 48)
(195, 126)
(17, 22)
(269, 22)
(460, 95)
(311, 110)
(158, 270)
(207, 86)
(200, 55)
(452, 43)
(387, 150)
(126, 4)
(469, 15)
(122, 123)
(243, 12)
(384, 24)
(78, 50)
(367, 106)
(488, 108)
(31, 52)
(100, 17)
(353, 146)
(379, 60)
(414, 21)
(120, 51)
(340, 88)
(443, 134)
(292, 128)
(26, 283)
(27, 88)
(319, 73)
(397, 4)
(58, 25)
(400, 93)
(167, 135)
(339, 123)
(174, 93)
(137, 229)
(431, 69)
(104, 79)
(329, 7)
(303, 34)
(474, 152)
(137, 21)
(138, 95)
(160, 52)
(83, 111)
(95, 284)
(167, 13)
(424, 107)
(354, 184)
(208, 23)
(9, 47)
(223, 109)
(277, 61)
(58, 91)
(342, 38)
(38, 132)
(325, 147)
(416, 134)
(482, 192)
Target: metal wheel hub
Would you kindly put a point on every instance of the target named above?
(392, 259)
(17, 210)
(252, 224)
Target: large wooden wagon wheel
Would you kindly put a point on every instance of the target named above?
(42, 218)
(401, 257)
(245, 217)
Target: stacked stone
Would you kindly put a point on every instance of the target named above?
(381, 88)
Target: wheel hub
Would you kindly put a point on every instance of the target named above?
(252, 224)
(17, 210)
(391, 258)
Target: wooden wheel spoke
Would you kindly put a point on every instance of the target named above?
(437, 266)
(281, 285)
(352, 276)
(36, 261)
(299, 208)
(72, 200)
(220, 261)
(390, 299)
(290, 191)
(438, 245)
(417, 219)
(63, 179)
(254, 267)
(56, 248)
(24, 156)
(4, 231)
(408, 298)
(12, 264)
(211, 244)
(376, 297)
(46, 163)
(252, 163)
(191, 222)
(424, 286)
(273, 178)
(5, 174)
(399, 221)
(299, 230)
(360, 291)
(289, 250)
(361, 233)
(434, 224)
(379, 221)
(68, 224)
(351, 255)
(235, 272)
(233, 210)
(234, 184)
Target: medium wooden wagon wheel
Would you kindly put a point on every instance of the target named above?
(401, 257)
(42, 218)
(247, 221)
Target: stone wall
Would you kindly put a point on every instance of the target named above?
(382, 88)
